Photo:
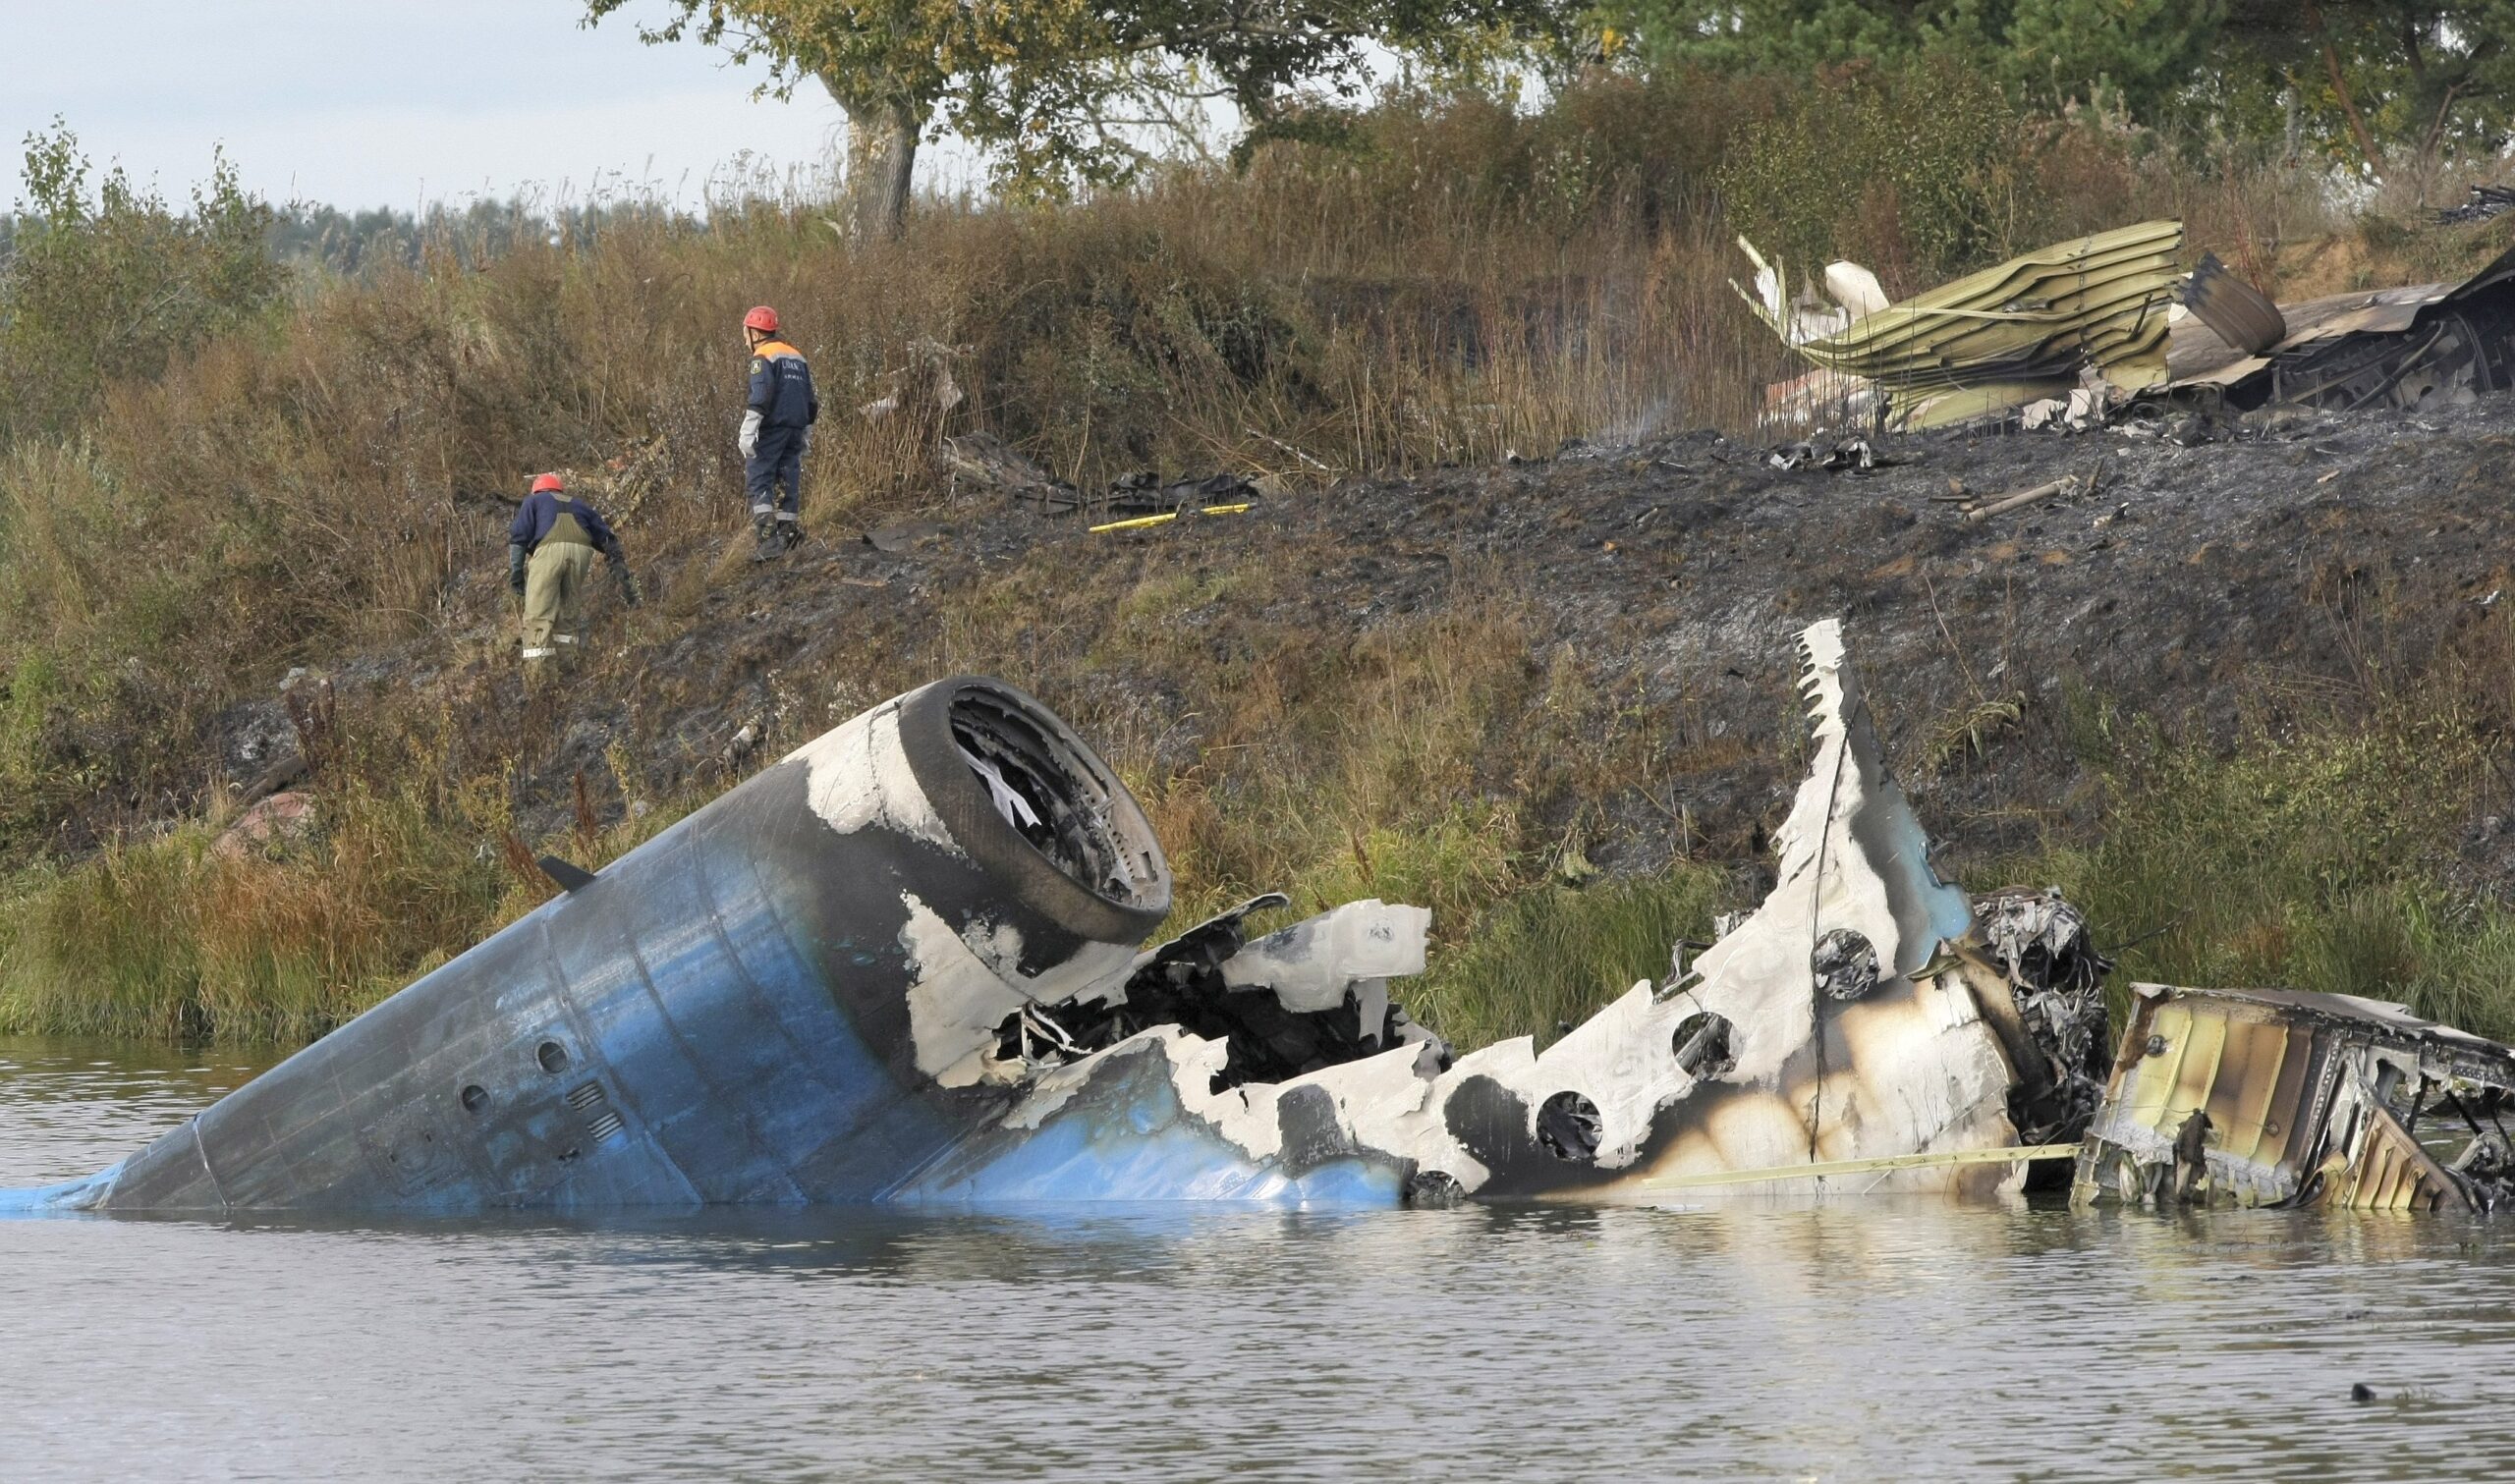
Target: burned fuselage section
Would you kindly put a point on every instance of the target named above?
(1852, 1016)
(2285, 1098)
(901, 965)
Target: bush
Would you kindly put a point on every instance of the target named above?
(1919, 172)
(2299, 861)
(112, 287)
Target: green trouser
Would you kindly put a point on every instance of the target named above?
(554, 599)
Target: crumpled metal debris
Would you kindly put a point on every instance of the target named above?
(2485, 204)
(924, 384)
(1830, 1025)
(2102, 330)
(1856, 455)
(988, 462)
(2394, 348)
(2236, 311)
(2085, 410)
(2043, 946)
(2025, 331)
(2275, 1097)
(1144, 493)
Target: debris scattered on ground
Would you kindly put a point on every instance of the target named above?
(2021, 499)
(1148, 494)
(2028, 330)
(2082, 411)
(2105, 328)
(924, 384)
(1141, 522)
(985, 459)
(2485, 204)
(1857, 455)
(745, 738)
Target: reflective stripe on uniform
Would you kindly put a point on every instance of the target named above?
(563, 638)
(760, 509)
(786, 517)
(539, 654)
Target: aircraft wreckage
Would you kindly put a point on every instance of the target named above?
(2085, 331)
(901, 965)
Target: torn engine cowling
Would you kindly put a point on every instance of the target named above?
(900, 965)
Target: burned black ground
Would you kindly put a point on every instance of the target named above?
(2286, 568)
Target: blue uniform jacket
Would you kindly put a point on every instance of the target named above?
(541, 510)
(781, 386)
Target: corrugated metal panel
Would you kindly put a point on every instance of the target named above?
(2392, 1173)
(2097, 301)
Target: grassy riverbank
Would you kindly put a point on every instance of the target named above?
(316, 478)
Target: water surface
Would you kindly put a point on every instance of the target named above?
(1852, 1341)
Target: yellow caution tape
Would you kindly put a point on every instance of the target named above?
(1140, 521)
(2016, 1155)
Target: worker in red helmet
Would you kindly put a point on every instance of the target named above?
(777, 431)
(551, 550)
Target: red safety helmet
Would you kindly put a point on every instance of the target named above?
(763, 319)
(549, 482)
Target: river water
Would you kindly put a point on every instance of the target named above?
(1853, 1341)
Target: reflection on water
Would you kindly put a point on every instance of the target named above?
(1878, 1339)
(69, 1107)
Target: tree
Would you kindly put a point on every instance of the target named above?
(2393, 85)
(100, 286)
(2143, 53)
(1059, 91)
(2388, 85)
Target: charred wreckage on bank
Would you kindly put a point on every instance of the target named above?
(2110, 328)
(901, 965)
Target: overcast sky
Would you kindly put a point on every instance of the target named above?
(394, 102)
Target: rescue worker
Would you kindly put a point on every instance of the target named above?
(777, 430)
(551, 552)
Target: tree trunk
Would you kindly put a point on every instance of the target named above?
(2340, 91)
(882, 160)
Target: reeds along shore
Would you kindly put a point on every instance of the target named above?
(1456, 284)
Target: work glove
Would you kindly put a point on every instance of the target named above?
(515, 569)
(627, 585)
(749, 439)
(808, 438)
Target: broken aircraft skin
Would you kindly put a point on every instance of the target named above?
(2277, 1098)
(2109, 326)
(899, 966)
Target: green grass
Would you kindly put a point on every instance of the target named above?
(2319, 858)
(1551, 955)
